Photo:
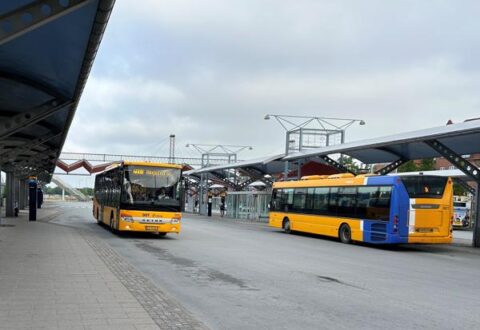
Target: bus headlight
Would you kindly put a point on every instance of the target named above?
(126, 217)
(176, 219)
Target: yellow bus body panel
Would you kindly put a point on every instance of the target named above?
(143, 221)
(433, 225)
(150, 221)
(316, 224)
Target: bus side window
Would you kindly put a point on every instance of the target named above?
(332, 201)
(287, 200)
(274, 202)
(299, 198)
(320, 201)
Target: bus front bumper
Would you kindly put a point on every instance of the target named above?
(152, 228)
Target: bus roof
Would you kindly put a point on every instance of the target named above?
(335, 180)
(143, 163)
(140, 163)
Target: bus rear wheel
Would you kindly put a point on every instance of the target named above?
(286, 226)
(345, 234)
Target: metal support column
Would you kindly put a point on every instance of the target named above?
(25, 184)
(471, 171)
(202, 195)
(16, 193)
(21, 197)
(1, 196)
(10, 194)
(476, 227)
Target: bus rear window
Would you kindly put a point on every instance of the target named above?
(424, 186)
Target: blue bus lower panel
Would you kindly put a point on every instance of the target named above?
(378, 233)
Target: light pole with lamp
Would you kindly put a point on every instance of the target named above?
(301, 129)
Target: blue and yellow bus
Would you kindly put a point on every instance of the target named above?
(366, 208)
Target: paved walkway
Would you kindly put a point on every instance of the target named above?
(56, 277)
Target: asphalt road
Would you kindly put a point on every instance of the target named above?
(234, 275)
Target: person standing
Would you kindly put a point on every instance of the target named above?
(222, 206)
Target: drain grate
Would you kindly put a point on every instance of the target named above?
(6, 225)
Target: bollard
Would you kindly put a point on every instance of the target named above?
(32, 195)
(209, 207)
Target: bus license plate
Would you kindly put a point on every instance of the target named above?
(151, 228)
(425, 230)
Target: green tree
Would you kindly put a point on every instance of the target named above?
(87, 191)
(409, 166)
(427, 164)
(349, 163)
(458, 190)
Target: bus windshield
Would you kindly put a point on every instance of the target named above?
(424, 186)
(154, 186)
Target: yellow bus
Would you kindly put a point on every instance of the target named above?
(139, 196)
(374, 209)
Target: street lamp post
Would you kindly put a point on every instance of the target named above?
(321, 129)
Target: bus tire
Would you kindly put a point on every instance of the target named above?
(161, 235)
(345, 233)
(286, 226)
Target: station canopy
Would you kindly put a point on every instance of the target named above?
(462, 138)
(47, 48)
(447, 141)
(267, 165)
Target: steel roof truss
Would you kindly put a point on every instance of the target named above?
(336, 164)
(224, 180)
(31, 16)
(29, 146)
(255, 175)
(465, 185)
(25, 119)
(462, 164)
(391, 167)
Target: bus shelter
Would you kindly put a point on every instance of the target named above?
(47, 49)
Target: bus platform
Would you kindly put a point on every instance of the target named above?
(57, 277)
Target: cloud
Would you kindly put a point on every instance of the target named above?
(208, 71)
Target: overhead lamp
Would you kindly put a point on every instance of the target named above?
(267, 117)
(362, 122)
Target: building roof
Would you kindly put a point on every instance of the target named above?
(463, 138)
(268, 164)
(44, 65)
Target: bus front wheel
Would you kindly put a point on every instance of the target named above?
(345, 234)
(112, 224)
(286, 226)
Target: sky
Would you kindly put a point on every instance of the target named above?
(209, 71)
